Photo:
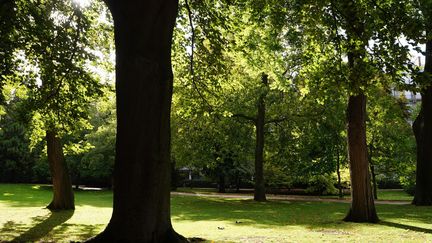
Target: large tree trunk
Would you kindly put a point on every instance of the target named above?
(141, 209)
(259, 193)
(362, 204)
(63, 197)
(423, 133)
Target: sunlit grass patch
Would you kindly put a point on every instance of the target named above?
(24, 218)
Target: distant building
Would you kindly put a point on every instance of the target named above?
(412, 97)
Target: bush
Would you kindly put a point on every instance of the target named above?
(276, 177)
(41, 171)
(321, 185)
(408, 182)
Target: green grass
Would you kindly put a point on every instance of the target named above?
(23, 218)
(394, 194)
(384, 195)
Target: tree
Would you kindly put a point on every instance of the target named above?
(52, 63)
(143, 35)
(355, 39)
(422, 125)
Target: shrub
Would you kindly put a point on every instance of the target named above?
(321, 185)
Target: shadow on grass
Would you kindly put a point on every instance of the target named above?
(406, 227)
(44, 226)
(283, 213)
(263, 215)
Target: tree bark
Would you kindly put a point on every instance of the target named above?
(422, 128)
(259, 193)
(63, 197)
(362, 203)
(141, 208)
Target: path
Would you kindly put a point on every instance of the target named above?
(296, 198)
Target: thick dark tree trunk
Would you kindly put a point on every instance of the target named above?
(423, 133)
(143, 35)
(259, 193)
(362, 204)
(63, 197)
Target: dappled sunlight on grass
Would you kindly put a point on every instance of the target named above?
(29, 224)
(240, 219)
(24, 218)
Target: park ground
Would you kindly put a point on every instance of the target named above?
(210, 216)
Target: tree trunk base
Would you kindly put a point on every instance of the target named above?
(372, 217)
(53, 207)
(422, 201)
(110, 236)
(260, 198)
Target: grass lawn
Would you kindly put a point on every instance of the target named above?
(23, 219)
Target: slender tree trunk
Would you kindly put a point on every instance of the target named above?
(422, 127)
(338, 172)
(63, 197)
(221, 184)
(238, 181)
(362, 204)
(372, 171)
(259, 193)
(374, 183)
(141, 208)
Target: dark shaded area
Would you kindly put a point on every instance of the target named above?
(196, 239)
(406, 227)
(44, 226)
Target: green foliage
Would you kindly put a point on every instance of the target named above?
(321, 185)
(96, 165)
(390, 138)
(16, 159)
(61, 56)
(276, 176)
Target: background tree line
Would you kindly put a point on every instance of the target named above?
(272, 93)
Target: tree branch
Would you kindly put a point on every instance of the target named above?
(191, 66)
(191, 58)
(246, 117)
(276, 120)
